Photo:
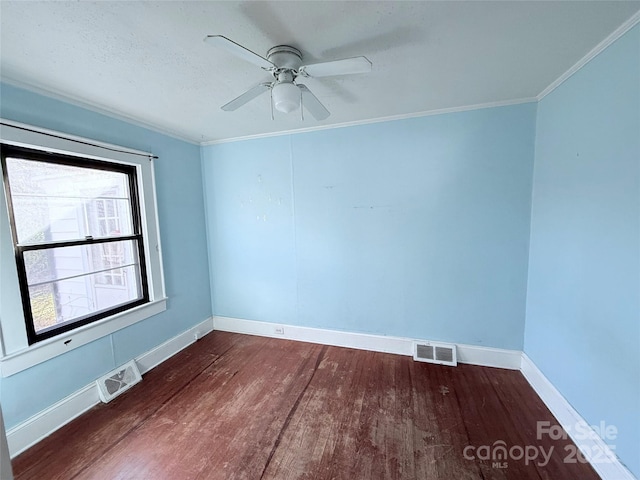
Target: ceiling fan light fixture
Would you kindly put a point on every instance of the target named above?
(286, 97)
(284, 62)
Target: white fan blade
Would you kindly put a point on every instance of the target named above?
(346, 66)
(246, 97)
(311, 103)
(239, 51)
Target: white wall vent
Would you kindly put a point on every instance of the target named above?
(433, 352)
(118, 381)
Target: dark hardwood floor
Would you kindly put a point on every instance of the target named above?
(243, 407)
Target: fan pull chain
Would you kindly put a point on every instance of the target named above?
(271, 94)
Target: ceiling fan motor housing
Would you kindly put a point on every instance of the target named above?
(285, 57)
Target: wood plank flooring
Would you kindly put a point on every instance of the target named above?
(243, 407)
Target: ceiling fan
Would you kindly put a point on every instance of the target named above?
(285, 64)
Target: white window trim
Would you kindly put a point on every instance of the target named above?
(15, 352)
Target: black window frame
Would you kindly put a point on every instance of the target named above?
(8, 150)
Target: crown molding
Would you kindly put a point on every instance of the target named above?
(404, 116)
(101, 109)
(96, 108)
(615, 35)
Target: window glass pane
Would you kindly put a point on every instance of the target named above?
(72, 299)
(54, 202)
(59, 263)
(43, 306)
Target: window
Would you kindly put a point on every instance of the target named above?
(110, 230)
(77, 236)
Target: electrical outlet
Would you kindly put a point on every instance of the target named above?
(278, 330)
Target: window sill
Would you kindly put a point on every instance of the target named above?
(48, 349)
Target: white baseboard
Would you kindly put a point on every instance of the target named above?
(475, 355)
(168, 349)
(489, 356)
(43, 424)
(607, 464)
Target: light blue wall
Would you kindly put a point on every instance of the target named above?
(416, 228)
(181, 218)
(583, 307)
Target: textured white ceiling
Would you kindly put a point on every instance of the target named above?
(147, 60)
